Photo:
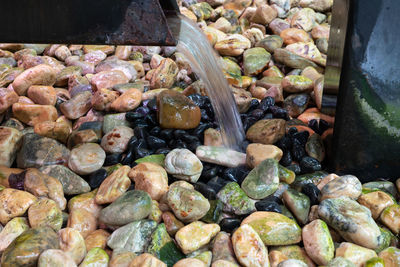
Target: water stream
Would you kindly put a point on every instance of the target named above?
(207, 65)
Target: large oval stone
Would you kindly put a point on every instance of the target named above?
(131, 206)
(235, 199)
(274, 228)
(255, 60)
(263, 180)
(353, 221)
(42, 74)
(177, 111)
(25, 249)
(55, 257)
(318, 242)
(37, 151)
(188, 205)
(45, 212)
(346, 186)
(12, 230)
(14, 203)
(33, 114)
(266, 131)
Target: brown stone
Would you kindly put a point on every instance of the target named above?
(264, 15)
(212, 137)
(72, 243)
(146, 259)
(256, 153)
(376, 202)
(42, 95)
(43, 185)
(297, 84)
(177, 111)
(77, 106)
(266, 131)
(45, 212)
(7, 98)
(151, 178)
(278, 25)
(59, 130)
(9, 144)
(171, 223)
(108, 78)
(164, 75)
(83, 221)
(123, 51)
(294, 35)
(85, 201)
(97, 239)
(114, 186)
(116, 141)
(32, 114)
(127, 101)
(107, 49)
(39, 75)
(103, 98)
(14, 203)
(320, 31)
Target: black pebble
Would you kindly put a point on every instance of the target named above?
(285, 143)
(177, 144)
(257, 113)
(96, 178)
(268, 116)
(140, 132)
(298, 151)
(152, 104)
(253, 105)
(132, 116)
(309, 164)
(295, 168)
(162, 151)
(236, 174)
(312, 191)
(192, 146)
(279, 113)
(151, 119)
(16, 181)
(140, 123)
(112, 159)
(142, 152)
(207, 191)
(229, 224)
(248, 122)
(155, 142)
(273, 198)
(292, 131)
(128, 158)
(286, 159)
(265, 205)
(208, 173)
(199, 131)
(155, 131)
(179, 133)
(143, 110)
(301, 137)
(198, 99)
(167, 134)
(266, 103)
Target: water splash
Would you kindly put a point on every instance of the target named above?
(207, 65)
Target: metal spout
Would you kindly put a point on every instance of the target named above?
(122, 22)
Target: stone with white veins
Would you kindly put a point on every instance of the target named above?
(346, 186)
(9, 144)
(183, 164)
(221, 156)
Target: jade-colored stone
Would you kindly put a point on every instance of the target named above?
(304, 179)
(286, 175)
(214, 213)
(298, 203)
(113, 120)
(24, 251)
(263, 180)
(131, 206)
(385, 186)
(375, 262)
(132, 237)
(163, 247)
(156, 158)
(386, 239)
(96, 257)
(202, 10)
(205, 256)
(293, 252)
(113, 168)
(340, 262)
(232, 71)
(287, 213)
(270, 43)
(274, 228)
(255, 60)
(235, 199)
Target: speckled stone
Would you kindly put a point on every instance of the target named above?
(220, 156)
(86, 158)
(183, 164)
(235, 199)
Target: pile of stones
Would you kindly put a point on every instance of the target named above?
(111, 156)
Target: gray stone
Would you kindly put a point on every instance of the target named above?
(235, 199)
(113, 120)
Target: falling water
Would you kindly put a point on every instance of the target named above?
(206, 64)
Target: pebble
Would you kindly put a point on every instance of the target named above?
(256, 153)
(390, 256)
(121, 259)
(354, 253)
(235, 199)
(33, 114)
(249, 248)
(72, 183)
(12, 230)
(298, 204)
(190, 262)
(340, 262)
(292, 263)
(292, 60)
(353, 221)
(266, 131)
(183, 164)
(116, 140)
(82, 220)
(129, 100)
(195, 235)
(38, 75)
(151, 178)
(221, 156)
(14, 203)
(77, 106)
(26, 248)
(187, 204)
(164, 75)
(318, 242)
(55, 257)
(86, 158)
(95, 257)
(146, 259)
(347, 186)
(131, 206)
(10, 140)
(270, 43)
(133, 237)
(177, 111)
(113, 186)
(263, 180)
(295, 35)
(113, 120)
(59, 130)
(390, 218)
(107, 79)
(295, 252)
(233, 45)
(45, 212)
(97, 238)
(376, 202)
(172, 224)
(42, 95)
(7, 98)
(255, 60)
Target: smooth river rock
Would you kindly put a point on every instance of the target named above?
(86, 158)
(346, 185)
(183, 164)
(221, 156)
(318, 242)
(235, 199)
